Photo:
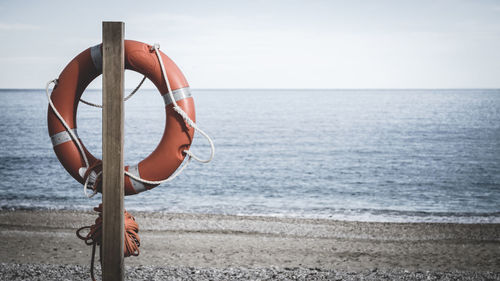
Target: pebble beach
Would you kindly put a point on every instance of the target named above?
(42, 245)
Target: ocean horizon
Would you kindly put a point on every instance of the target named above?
(389, 155)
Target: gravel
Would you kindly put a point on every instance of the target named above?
(12, 271)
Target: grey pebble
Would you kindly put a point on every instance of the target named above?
(12, 271)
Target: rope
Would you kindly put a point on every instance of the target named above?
(73, 137)
(125, 99)
(184, 114)
(94, 176)
(72, 134)
(94, 237)
(66, 126)
(188, 120)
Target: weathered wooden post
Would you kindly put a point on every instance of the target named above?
(112, 150)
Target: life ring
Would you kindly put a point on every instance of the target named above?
(177, 136)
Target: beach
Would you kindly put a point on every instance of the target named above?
(326, 140)
(202, 246)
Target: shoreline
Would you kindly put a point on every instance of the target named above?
(219, 242)
(263, 225)
(403, 217)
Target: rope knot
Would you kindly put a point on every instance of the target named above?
(156, 46)
(92, 178)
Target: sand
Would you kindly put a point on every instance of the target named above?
(327, 249)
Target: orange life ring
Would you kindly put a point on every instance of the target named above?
(177, 136)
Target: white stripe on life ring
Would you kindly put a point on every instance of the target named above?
(138, 186)
(62, 137)
(179, 94)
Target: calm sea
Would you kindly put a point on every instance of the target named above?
(368, 155)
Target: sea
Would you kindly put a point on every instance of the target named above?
(356, 155)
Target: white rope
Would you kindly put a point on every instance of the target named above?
(72, 134)
(190, 122)
(87, 182)
(183, 114)
(125, 99)
(177, 108)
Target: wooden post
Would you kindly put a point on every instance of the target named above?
(112, 150)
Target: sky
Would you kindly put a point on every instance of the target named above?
(267, 44)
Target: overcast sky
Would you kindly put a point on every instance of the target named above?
(268, 44)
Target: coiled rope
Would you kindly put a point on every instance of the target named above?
(94, 237)
(91, 177)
